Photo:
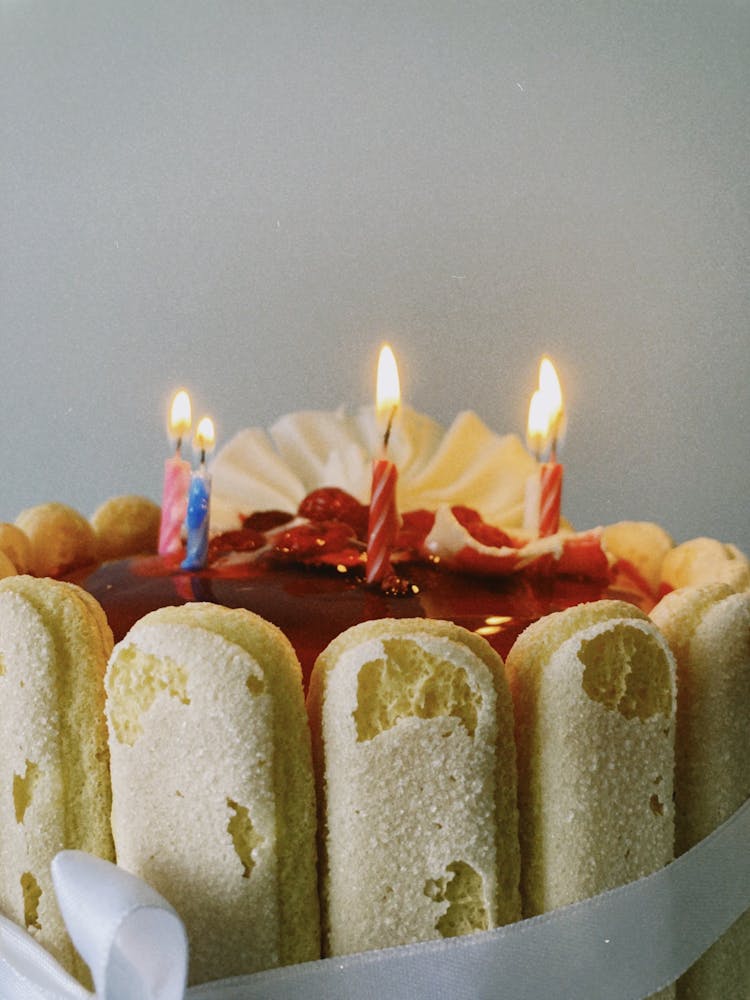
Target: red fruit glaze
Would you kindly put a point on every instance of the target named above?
(308, 578)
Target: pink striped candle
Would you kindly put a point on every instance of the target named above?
(383, 524)
(173, 504)
(176, 478)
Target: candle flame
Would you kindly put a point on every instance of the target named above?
(205, 438)
(549, 386)
(180, 417)
(545, 410)
(388, 394)
(538, 423)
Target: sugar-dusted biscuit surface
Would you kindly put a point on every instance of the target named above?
(708, 628)
(213, 794)
(594, 696)
(54, 775)
(412, 729)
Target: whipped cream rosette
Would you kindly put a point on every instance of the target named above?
(467, 464)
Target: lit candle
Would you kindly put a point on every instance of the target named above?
(176, 478)
(383, 524)
(544, 488)
(199, 500)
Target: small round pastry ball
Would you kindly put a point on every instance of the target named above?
(6, 566)
(61, 538)
(15, 545)
(641, 543)
(706, 560)
(126, 526)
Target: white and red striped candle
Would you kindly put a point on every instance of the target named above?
(544, 488)
(383, 524)
(550, 497)
(384, 519)
(176, 478)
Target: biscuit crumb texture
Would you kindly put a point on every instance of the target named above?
(409, 681)
(461, 887)
(414, 747)
(213, 799)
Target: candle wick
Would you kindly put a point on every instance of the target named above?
(555, 433)
(387, 435)
(203, 458)
(178, 445)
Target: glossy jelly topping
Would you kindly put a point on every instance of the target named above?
(305, 573)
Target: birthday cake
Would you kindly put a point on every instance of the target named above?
(288, 539)
(289, 542)
(289, 526)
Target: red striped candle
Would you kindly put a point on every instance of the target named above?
(545, 423)
(384, 520)
(550, 496)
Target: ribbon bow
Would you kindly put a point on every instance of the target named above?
(624, 944)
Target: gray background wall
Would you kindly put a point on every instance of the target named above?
(247, 197)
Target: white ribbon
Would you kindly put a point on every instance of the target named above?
(624, 944)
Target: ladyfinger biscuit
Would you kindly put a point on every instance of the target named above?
(641, 543)
(213, 792)
(6, 566)
(413, 741)
(15, 545)
(60, 538)
(126, 526)
(594, 696)
(708, 629)
(54, 775)
(705, 560)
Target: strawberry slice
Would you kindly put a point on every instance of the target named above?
(582, 555)
(242, 540)
(485, 534)
(329, 503)
(317, 543)
(415, 527)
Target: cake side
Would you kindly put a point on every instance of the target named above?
(708, 628)
(54, 644)
(294, 789)
(201, 717)
(593, 690)
(416, 777)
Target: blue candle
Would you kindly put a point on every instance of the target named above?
(199, 502)
(196, 521)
